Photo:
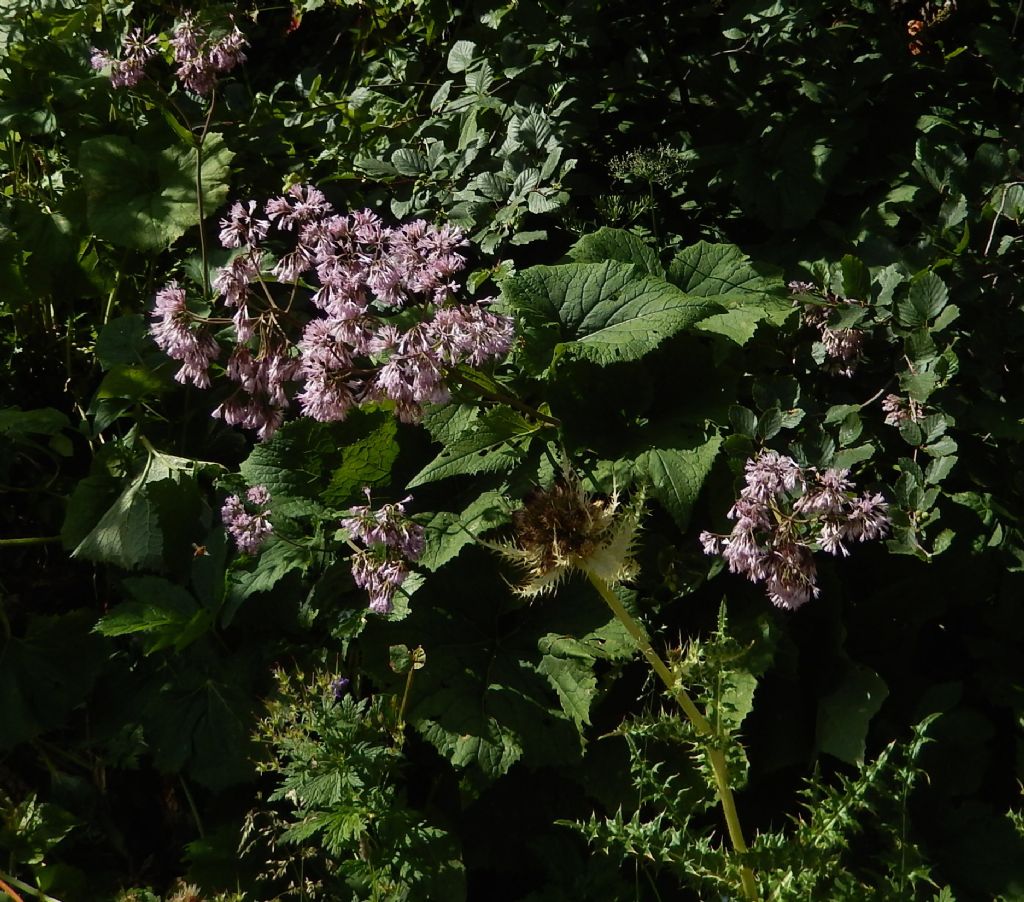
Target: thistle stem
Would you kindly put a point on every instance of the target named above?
(715, 755)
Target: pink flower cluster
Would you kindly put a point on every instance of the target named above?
(783, 514)
(390, 540)
(174, 334)
(900, 410)
(199, 56)
(249, 528)
(351, 273)
(844, 347)
(130, 69)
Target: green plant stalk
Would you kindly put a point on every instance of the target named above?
(30, 540)
(405, 699)
(715, 755)
(25, 888)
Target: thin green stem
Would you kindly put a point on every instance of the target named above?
(716, 756)
(199, 194)
(192, 806)
(405, 698)
(25, 888)
(31, 540)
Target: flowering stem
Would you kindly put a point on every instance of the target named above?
(716, 756)
(199, 193)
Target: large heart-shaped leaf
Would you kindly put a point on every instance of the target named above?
(144, 199)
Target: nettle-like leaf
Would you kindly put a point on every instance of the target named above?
(200, 722)
(143, 198)
(164, 614)
(149, 520)
(312, 468)
(845, 714)
(447, 533)
(675, 474)
(275, 561)
(601, 312)
(495, 441)
(498, 689)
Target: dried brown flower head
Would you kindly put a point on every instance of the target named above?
(563, 528)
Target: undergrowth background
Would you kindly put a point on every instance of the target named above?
(720, 228)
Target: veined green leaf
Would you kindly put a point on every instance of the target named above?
(675, 475)
(617, 244)
(309, 466)
(141, 199)
(707, 270)
(602, 312)
(927, 296)
(845, 714)
(495, 441)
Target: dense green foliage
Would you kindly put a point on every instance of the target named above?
(721, 228)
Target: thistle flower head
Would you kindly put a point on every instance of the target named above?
(563, 528)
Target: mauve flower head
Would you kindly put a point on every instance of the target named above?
(770, 474)
(200, 59)
(426, 256)
(293, 265)
(380, 576)
(260, 404)
(248, 528)
(172, 331)
(250, 413)
(845, 347)
(242, 227)
(782, 514)
(299, 205)
(826, 493)
(467, 333)
(127, 72)
(900, 410)
(791, 576)
(868, 518)
(232, 281)
(797, 287)
(229, 51)
(391, 539)
(388, 526)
